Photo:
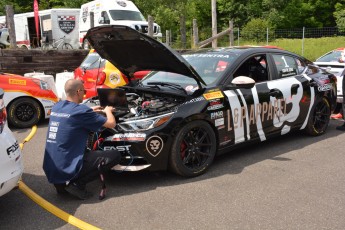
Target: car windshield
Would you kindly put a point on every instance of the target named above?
(92, 61)
(333, 56)
(210, 67)
(126, 15)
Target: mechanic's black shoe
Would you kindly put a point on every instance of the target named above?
(60, 189)
(78, 192)
(341, 127)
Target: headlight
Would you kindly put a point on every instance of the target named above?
(145, 124)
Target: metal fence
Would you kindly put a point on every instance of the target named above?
(262, 36)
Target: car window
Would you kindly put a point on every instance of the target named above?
(255, 67)
(287, 66)
(333, 56)
(93, 61)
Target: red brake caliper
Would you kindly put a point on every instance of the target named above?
(183, 148)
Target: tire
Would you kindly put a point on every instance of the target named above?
(24, 113)
(67, 46)
(193, 149)
(47, 47)
(319, 117)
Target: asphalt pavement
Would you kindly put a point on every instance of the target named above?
(290, 182)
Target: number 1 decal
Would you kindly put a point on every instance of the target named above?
(286, 64)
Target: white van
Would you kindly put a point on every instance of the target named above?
(114, 12)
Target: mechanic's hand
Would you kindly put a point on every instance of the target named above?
(109, 108)
(97, 108)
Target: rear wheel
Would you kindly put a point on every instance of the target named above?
(67, 46)
(24, 113)
(47, 47)
(319, 117)
(193, 149)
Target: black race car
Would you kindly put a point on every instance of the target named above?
(195, 106)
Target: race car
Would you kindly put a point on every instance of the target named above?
(97, 72)
(205, 102)
(28, 100)
(334, 62)
(11, 161)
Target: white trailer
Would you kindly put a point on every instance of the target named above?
(112, 12)
(54, 24)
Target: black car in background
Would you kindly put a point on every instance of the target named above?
(202, 103)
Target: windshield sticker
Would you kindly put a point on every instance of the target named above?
(207, 55)
(17, 82)
(213, 95)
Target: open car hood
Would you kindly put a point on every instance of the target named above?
(131, 51)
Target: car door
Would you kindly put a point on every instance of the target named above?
(290, 94)
(244, 117)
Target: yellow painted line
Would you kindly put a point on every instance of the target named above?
(45, 204)
(55, 210)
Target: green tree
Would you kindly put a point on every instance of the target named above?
(255, 30)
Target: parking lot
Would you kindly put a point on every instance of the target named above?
(290, 182)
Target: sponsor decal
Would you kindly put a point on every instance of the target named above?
(84, 14)
(154, 145)
(66, 23)
(288, 72)
(129, 137)
(121, 3)
(256, 113)
(215, 104)
(325, 87)
(114, 78)
(219, 122)
(213, 95)
(12, 149)
(120, 148)
(16, 82)
(195, 100)
(215, 107)
(216, 115)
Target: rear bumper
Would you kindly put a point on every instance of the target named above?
(8, 185)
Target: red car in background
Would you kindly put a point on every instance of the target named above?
(28, 100)
(97, 72)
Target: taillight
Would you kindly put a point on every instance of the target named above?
(101, 78)
(3, 118)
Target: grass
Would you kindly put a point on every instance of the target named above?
(312, 47)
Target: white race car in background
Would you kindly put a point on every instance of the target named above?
(334, 62)
(11, 163)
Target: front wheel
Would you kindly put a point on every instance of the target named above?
(24, 113)
(319, 117)
(193, 149)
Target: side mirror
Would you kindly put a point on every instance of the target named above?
(243, 82)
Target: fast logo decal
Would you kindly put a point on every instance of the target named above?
(154, 145)
(12, 150)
